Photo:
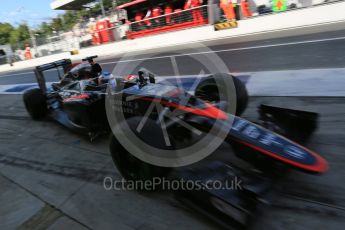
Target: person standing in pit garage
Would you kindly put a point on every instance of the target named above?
(138, 23)
(147, 17)
(196, 13)
(186, 15)
(228, 9)
(156, 12)
(167, 11)
(245, 9)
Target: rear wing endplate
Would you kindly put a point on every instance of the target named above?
(64, 63)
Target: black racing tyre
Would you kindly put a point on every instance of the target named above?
(35, 103)
(208, 90)
(131, 167)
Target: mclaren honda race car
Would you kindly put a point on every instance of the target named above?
(269, 144)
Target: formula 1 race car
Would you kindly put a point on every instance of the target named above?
(78, 102)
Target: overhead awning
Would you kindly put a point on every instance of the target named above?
(132, 3)
(69, 4)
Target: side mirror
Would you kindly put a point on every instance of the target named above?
(145, 75)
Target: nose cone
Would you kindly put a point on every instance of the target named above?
(268, 143)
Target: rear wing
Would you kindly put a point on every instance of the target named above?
(64, 63)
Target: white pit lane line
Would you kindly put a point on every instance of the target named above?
(232, 49)
(24, 73)
(11, 89)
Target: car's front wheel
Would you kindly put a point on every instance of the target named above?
(209, 90)
(131, 167)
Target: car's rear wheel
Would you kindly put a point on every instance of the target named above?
(208, 89)
(35, 103)
(131, 167)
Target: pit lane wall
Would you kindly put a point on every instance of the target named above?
(315, 19)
